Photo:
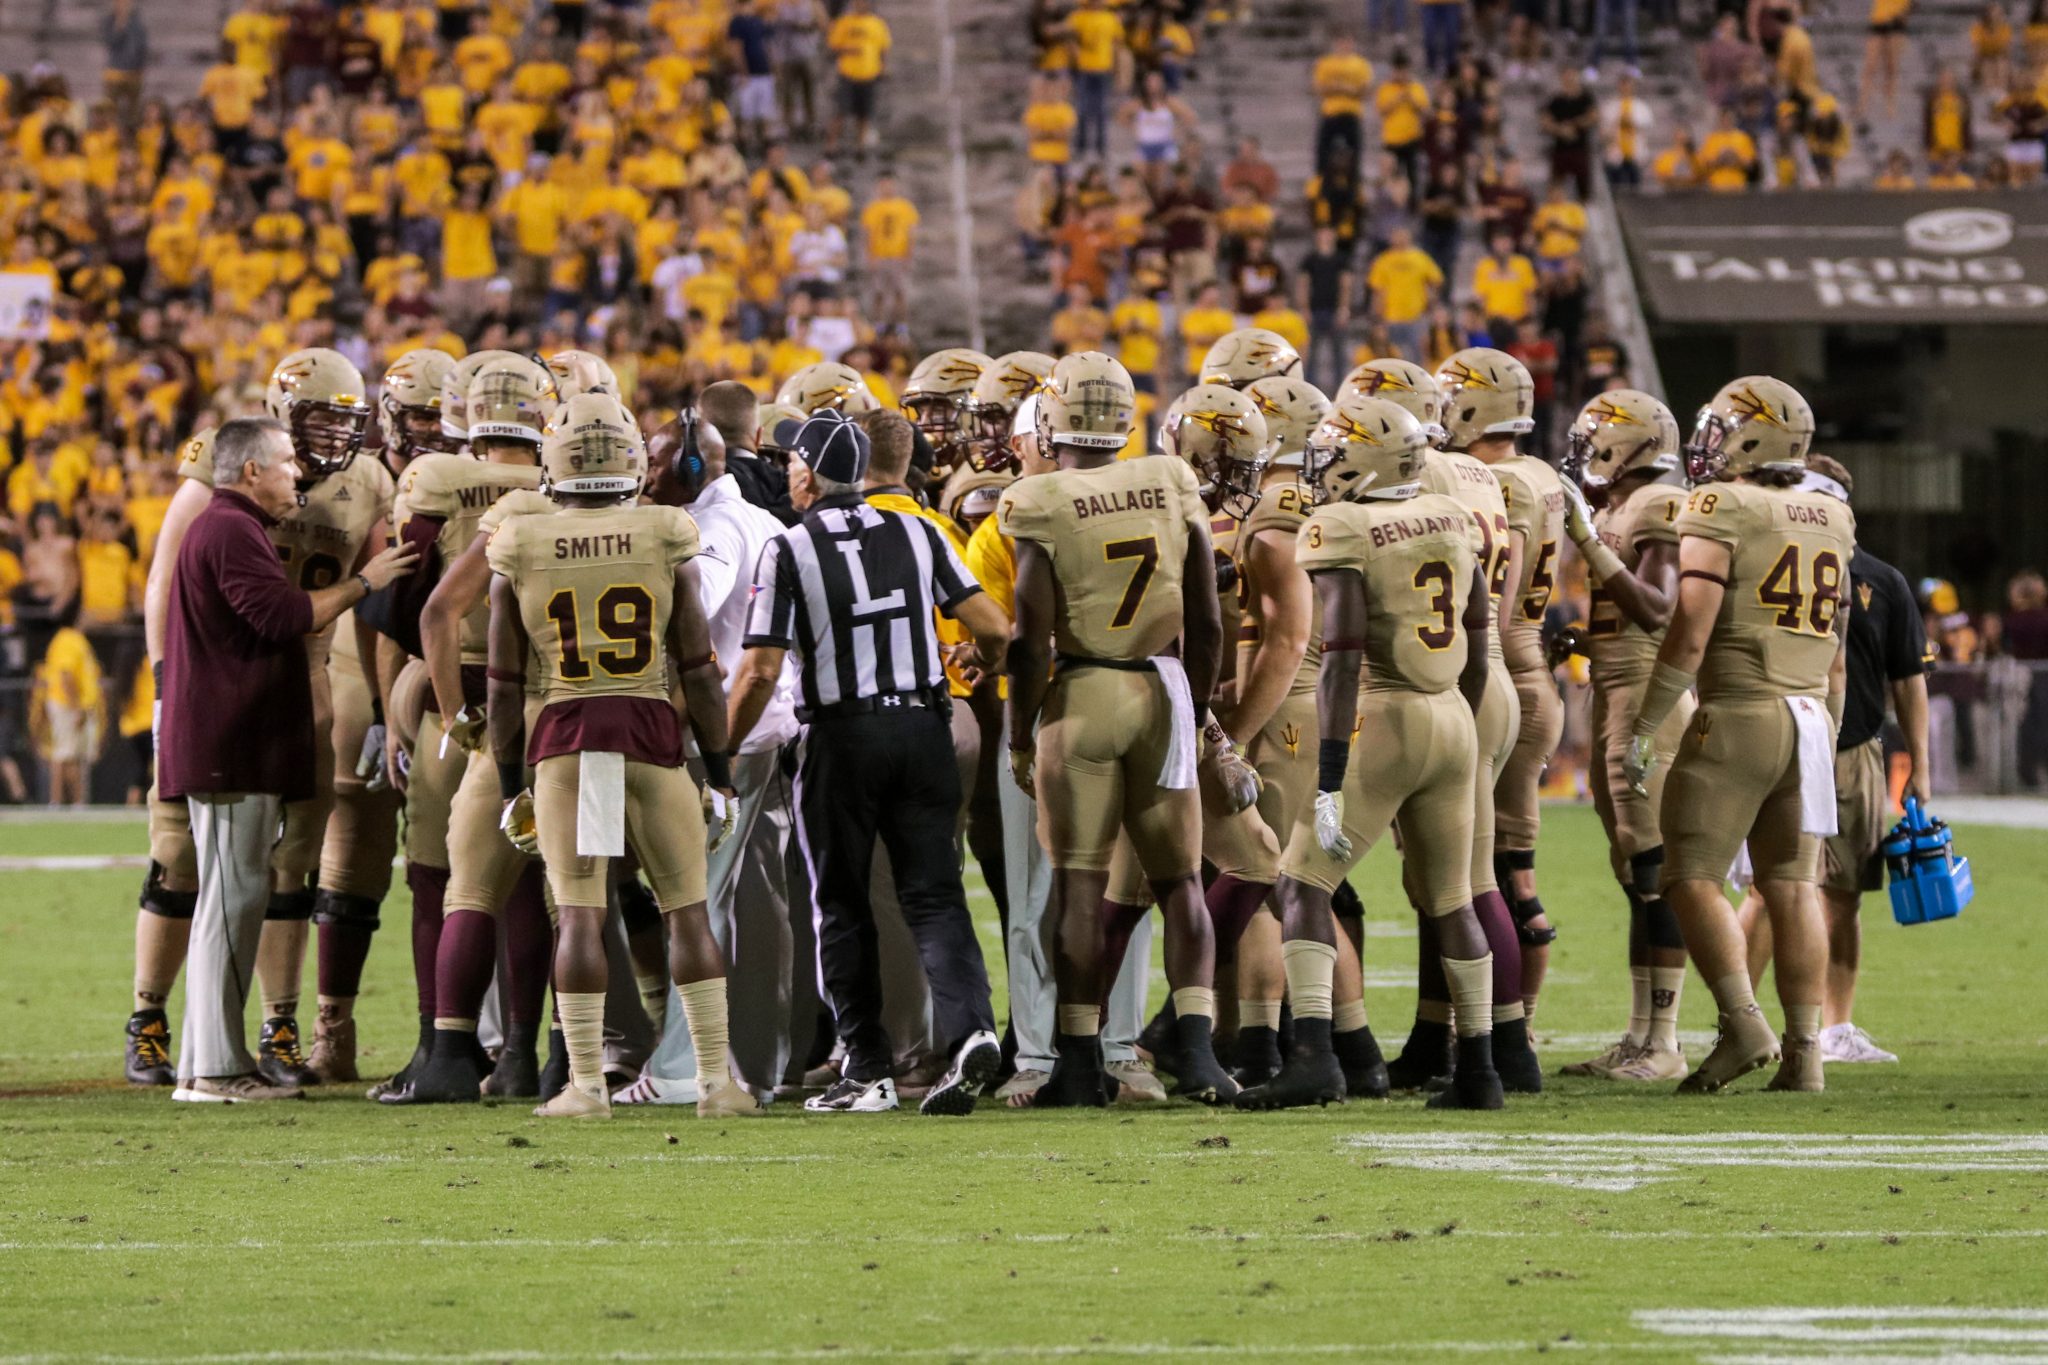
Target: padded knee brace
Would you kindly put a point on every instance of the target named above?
(339, 907)
(1660, 921)
(1344, 902)
(637, 906)
(160, 901)
(289, 905)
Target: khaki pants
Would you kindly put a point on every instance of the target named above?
(1518, 811)
(1849, 861)
(1413, 758)
(430, 789)
(1102, 742)
(1630, 820)
(362, 832)
(1736, 777)
(234, 834)
(664, 828)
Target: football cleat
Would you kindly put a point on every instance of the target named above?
(1617, 1056)
(729, 1100)
(1651, 1064)
(1199, 1076)
(1157, 1039)
(148, 1053)
(1799, 1066)
(849, 1096)
(517, 1074)
(1845, 1042)
(974, 1066)
(453, 1074)
(555, 1074)
(576, 1103)
(278, 1057)
(1311, 1075)
(1474, 1082)
(1133, 1082)
(1258, 1055)
(333, 1058)
(1745, 1043)
(652, 1089)
(1424, 1057)
(249, 1089)
(421, 1051)
(1365, 1070)
(1018, 1090)
(1514, 1058)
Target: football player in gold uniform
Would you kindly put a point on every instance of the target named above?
(1395, 571)
(599, 599)
(1113, 565)
(1762, 567)
(1624, 451)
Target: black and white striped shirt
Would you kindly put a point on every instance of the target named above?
(851, 590)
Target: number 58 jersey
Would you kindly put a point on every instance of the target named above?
(1118, 537)
(596, 588)
(1788, 572)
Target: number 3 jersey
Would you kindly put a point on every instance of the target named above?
(596, 589)
(1118, 537)
(1775, 635)
(1417, 557)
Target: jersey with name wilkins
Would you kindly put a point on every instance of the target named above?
(448, 496)
(1788, 572)
(596, 589)
(1118, 538)
(1417, 556)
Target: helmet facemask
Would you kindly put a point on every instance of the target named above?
(327, 435)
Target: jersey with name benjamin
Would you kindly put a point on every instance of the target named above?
(1417, 556)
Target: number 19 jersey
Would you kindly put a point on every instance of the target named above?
(1118, 537)
(1775, 635)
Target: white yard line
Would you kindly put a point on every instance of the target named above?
(851, 1351)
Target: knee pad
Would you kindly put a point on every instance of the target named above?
(289, 905)
(1646, 873)
(1660, 925)
(339, 907)
(1526, 911)
(162, 902)
(1344, 902)
(637, 906)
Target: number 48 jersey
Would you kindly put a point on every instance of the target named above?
(1118, 537)
(1789, 567)
(596, 587)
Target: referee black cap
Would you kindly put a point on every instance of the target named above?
(830, 443)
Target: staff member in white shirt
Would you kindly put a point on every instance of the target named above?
(747, 885)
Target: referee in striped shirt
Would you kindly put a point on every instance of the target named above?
(851, 589)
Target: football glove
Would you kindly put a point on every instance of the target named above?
(1022, 764)
(1239, 780)
(1578, 517)
(721, 813)
(517, 824)
(1565, 642)
(1639, 763)
(371, 763)
(465, 728)
(1330, 824)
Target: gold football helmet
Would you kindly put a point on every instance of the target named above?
(936, 397)
(582, 372)
(1222, 433)
(1365, 448)
(768, 418)
(455, 391)
(1004, 384)
(1753, 423)
(511, 399)
(1089, 402)
(409, 404)
(1485, 393)
(1620, 431)
(828, 384)
(1293, 408)
(1403, 382)
(1247, 355)
(319, 396)
(593, 447)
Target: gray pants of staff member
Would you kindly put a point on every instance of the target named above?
(1030, 948)
(747, 898)
(233, 834)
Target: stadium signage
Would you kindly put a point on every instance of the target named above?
(1840, 256)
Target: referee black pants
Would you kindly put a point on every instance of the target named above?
(890, 775)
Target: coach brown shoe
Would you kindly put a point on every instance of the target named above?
(249, 1089)
(333, 1058)
(1746, 1042)
(1799, 1065)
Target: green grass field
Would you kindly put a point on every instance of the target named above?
(1626, 1225)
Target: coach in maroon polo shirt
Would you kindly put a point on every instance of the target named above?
(237, 734)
